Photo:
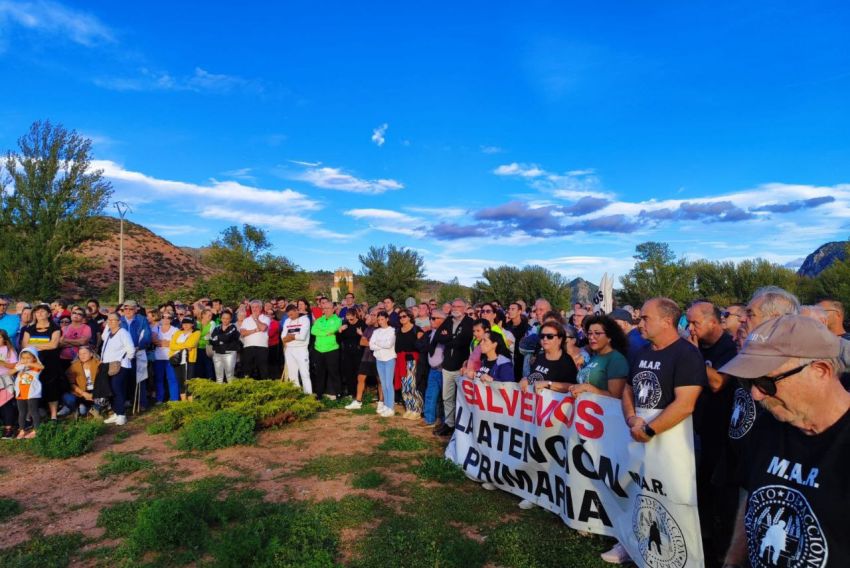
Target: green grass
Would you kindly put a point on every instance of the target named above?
(65, 440)
(41, 551)
(438, 468)
(9, 508)
(119, 519)
(120, 437)
(400, 440)
(368, 480)
(122, 463)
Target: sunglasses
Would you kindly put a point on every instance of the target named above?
(486, 311)
(767, 385)
(403, 317)
(596, 333)
(549, 335)
(435, 319)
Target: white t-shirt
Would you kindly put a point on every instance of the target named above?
(161, 353)
(255, 339)
(301, 328)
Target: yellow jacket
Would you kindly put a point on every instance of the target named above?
(190, 343)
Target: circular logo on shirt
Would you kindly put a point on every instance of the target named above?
(659, 537)
(782, 530)
(743, 414)
(647, 389)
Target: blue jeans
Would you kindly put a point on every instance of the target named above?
(432, 395)
(119, 397)
(163, 370)
(386, 371)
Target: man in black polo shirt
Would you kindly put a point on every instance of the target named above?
(666, 374)
(794, 471)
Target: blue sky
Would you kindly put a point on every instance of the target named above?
(478, 134)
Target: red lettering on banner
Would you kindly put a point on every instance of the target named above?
(468, 391)
(525, 407)
(491, 404)
(590, 426)
(477, 399)
(565, 411)
(545, 413)
(510, 403)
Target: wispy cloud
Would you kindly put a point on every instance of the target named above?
(303, 163)
(287, 222)
(175, 230)
(241, 173)
(389, 221)
(521, 170)
(200, 81)
(55, 19)
(492, 150)
(378, 135)
(337, 179)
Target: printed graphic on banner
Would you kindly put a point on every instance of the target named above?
(575, 458)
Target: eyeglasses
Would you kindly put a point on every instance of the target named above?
(435, 318)
(3, 305)
(767, 385)
(596, 333)
(730, 315)
(549, 335)
(487, 311)
(403, 317)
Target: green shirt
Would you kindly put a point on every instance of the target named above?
(205, 333)
(325, 329)
(600, 368)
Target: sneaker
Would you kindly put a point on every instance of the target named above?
(616, 555)
(380, 406)
(413, 416)
(330, 396)
(354, 405)
(406, 415)
(8, 435)
(111, 420)
(525, 505)
(387, 412)
(489, 486)
(21, 435)
(121, 420)
(65, 411)
(30, 435)
(444, 430)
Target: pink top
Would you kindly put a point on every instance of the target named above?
(74, 332)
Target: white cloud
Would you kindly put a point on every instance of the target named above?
(379, 133)
(200, 81)
(384, 214)
(521, 170)
(56, 19)
(335, 178)
(287, 222)
(175, 230)
(492, 150)
(303, 163)
(240, 173)
(439, 212)
(389, 221)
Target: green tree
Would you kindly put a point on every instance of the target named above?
(833, 282)
(657, 272)
(49, 199)
(247, 269)
(391, 270)
(451, 290)
(509, 283)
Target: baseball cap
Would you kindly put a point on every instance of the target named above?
(622, 315)
(130, 304)
(776, 341)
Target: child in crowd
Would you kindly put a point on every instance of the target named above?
(8, 360)
(28, 390)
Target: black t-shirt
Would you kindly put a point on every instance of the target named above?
(349, 340)
(799, 491)
(745, 412)
(561, 370)
(714, 409)
(519, 330)
(405, 341)
(655, 375)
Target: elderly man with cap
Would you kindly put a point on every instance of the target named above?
(795, 485)
(137, 326)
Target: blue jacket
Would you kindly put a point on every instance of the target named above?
(139, 330)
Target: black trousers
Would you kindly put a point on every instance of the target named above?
(255, 362)
(326, 380)
(349, 365)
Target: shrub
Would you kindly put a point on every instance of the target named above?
(119, 519)
(176, 415)
(9, 508)
(222, 429)
(40, 551)
(71, 439)
(436, 468)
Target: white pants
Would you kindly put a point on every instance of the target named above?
(298, 362)
(224, 365)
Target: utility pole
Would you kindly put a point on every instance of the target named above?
(122, 208)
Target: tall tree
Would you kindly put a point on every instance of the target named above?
(49, 198)
(391, 270)
(509, 283)
(656, 273)
(249, 269)
(451, 290)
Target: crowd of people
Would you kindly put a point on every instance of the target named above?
(782, 445)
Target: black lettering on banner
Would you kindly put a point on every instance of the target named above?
(518, 478)
(543, 486)
(473, 458)
(578, 456)
(532, 449)
(484, 469)
(610, 474)
(515, 444)
(484, 434)
(459, 422)
(591, 508)
(501, 429)
(556, 447)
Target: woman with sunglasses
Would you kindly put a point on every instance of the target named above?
(491, 312)
(407, 358)
(552, 368)
(606, 370)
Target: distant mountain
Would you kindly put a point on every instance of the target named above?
(825, 255)
(150, 261)
(583, 291)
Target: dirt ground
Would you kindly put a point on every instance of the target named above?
(63, 496)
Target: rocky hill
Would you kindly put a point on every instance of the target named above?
(149, 262)
(825, 255)
(583, 291)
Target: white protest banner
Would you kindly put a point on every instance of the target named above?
(575, 458)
